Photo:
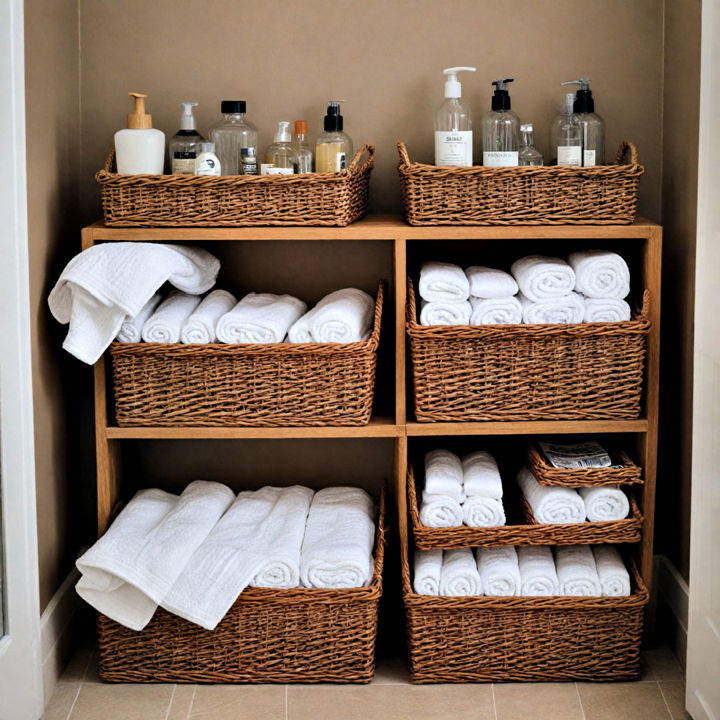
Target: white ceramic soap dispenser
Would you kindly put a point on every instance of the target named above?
(139, 149)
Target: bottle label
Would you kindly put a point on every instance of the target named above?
(500, 159)
(270, 169)
(248, 161)
(183, 166)
(340, 161)
(207, 165)
(569, 155)
(589, 158)
(453, 149)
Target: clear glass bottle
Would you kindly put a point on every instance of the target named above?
(280, 157)
(235, 140)
(591, 124)
(501, 129)
(302, 149)
(566, 137)
(183, 147)
(528, 154)
(453, 125)
(334, 148)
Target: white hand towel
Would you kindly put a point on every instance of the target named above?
(428, 567)
(481, 511)
(343, 316)
(565, 310)
(200, 326)
(538, 576)
(440, 511)
(540, 277)
(260, 318)
(106, 283)
(444, 474)
(131, 329)
(481, 475)
(600, 274)
(165, 324)
(337, 549)
(459, 576)
(443, 282)
(444, 313)
(551, 505)
(577, 575)
(499, 570)
(605, 503)
(606, 310)
(495, 311)
(614, 577)
(488, 282)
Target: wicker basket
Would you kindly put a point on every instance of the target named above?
(589, 371)
(237, 200)
(544, 195)
(303, 635)
(271, 385)
(529, 533)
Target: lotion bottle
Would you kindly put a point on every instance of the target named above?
(140, 148)
(453, 125)
(566, 141)
(591, 124)
(334, 148)
(207, 162)
(184, 146)
(501, 129)
(280, 157)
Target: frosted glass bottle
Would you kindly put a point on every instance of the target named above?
(528, 154)
(235, 140)
(566, 138)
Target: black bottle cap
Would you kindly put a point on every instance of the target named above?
(501, 97)
(584, 102)
(333, 119)
(232, 107)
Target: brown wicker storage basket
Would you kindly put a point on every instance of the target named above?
(544, 195)
(529, 533)
(302, 635)
(237, 200)
(270, 385)
(589, 371)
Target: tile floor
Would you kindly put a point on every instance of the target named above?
(658, 696)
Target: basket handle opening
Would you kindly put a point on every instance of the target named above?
(402, 151)
(626, 146)
(355, 162)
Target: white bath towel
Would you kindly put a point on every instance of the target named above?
(606, 310)
(459, 576)
(600, 274)
(605, 503)
(614, 577)
(445, 313)
(495, 311)
(577, 575)
(538, 576)
(260, 318)
(200, 326)
(106, 283)
(443, 282)
(165, 324)
(337, 549)
(481, 511)
(551, 505)
(565, 310)
(131, 329)
(444, 474)
(343, 316)
(540, 277)
(488, 282)
(440, 511)
(499, 570)
(481, 475)
(428, 567)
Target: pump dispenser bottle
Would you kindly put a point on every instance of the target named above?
(591, 124)
(280, 157)
(185, 144)
(501, 129)
(140, 148)
(333, 149)
(528, 154)
(566, 141)
(235, 139)
(302, 149)
(453, 124)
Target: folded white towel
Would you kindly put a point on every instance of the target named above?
(459, 576)
(440, 511)
(165, 324)
(260, 318)
(499, 570)
(551, 505)
(343, 316)
(600, 274)
(540, 277)
(131, 329)
(337, 549)
(444, 313)
(605, 503)
(481, 475)
(200, 326)
(444, 474)
(577, 575)
(614, 577)
(565, 310)
(495, 311)
(481, 511)
(538, 576)
(443, 282)
(428, 567)
(106, 283)
(488, 282)
(606, 310)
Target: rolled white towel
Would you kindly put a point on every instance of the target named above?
(444, 474)
(343, 316)
(260, 318)
(164, 325)
(605, 503)
(445, 313)
(565, 310)
(459, 576)
(551, 505)
(200, 326)
(481, 475)
(538, 577)
(499, 570)
(496, 311)
(606, 310)
(428, 567)
(481, 511)
(131, 329)
(600, 274)
(576, 571)
(440, 511)
(540, 277)
(614, 577)
(488, 282)
(443, 282)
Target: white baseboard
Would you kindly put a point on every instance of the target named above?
(674, 594)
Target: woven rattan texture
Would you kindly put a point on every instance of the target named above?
(336, 199)
(271, 636)
(544, 195)
(589, 371)
(272, 385)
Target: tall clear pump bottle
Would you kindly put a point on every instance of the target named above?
(280, 157)
(235, 139)
(453, 125)
(566, 140)
(184, 147)
(592, 125)
(334, 148)
(528, 154)
(501, 129)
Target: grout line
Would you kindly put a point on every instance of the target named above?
(582, 709)
(667, 707)
(91, 655)
(492, 690)
(170, 702)
(192, 702)
(286, 702)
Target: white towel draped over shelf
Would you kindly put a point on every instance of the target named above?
(606, 310)
(443, 282)
(200, 326)
(551, 505)
(495, 311)
(427, 572)
(600, 274)
(165, 324)
(499, 570)
(343, 316)
(459, 576)
(440, 312)
(131, 329)
(260, 318)
(540, 277)
(485, 282)
(564, 310)
(576, 571)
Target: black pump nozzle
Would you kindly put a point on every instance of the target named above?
(501, 97)
(584, 102)
(333, 119)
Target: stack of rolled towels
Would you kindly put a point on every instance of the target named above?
(533, 571)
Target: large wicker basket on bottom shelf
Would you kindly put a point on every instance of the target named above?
(304, 635)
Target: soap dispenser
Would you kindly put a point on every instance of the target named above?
(453, 125)
(185, 144)
(139, 148)
(280, 157)
(591, 124)
(501, 129)
(333, 149)
(566, 140)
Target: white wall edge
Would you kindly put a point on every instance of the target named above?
(673, 592)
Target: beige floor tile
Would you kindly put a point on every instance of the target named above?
(664, 664)
(674, 694)
(104, 701)
(241, 702)
(623, 701)
(391, 671)
(646, 672)
(62, 701)
(180, 702)
(539, 701)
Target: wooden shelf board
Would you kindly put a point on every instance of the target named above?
(532, 427)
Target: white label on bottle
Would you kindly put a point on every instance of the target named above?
(453, 149)
(569, 155)
(207, 165)
(267, 169)
(183, 166)
(589, 158)
(340, 161)
(500, 159)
